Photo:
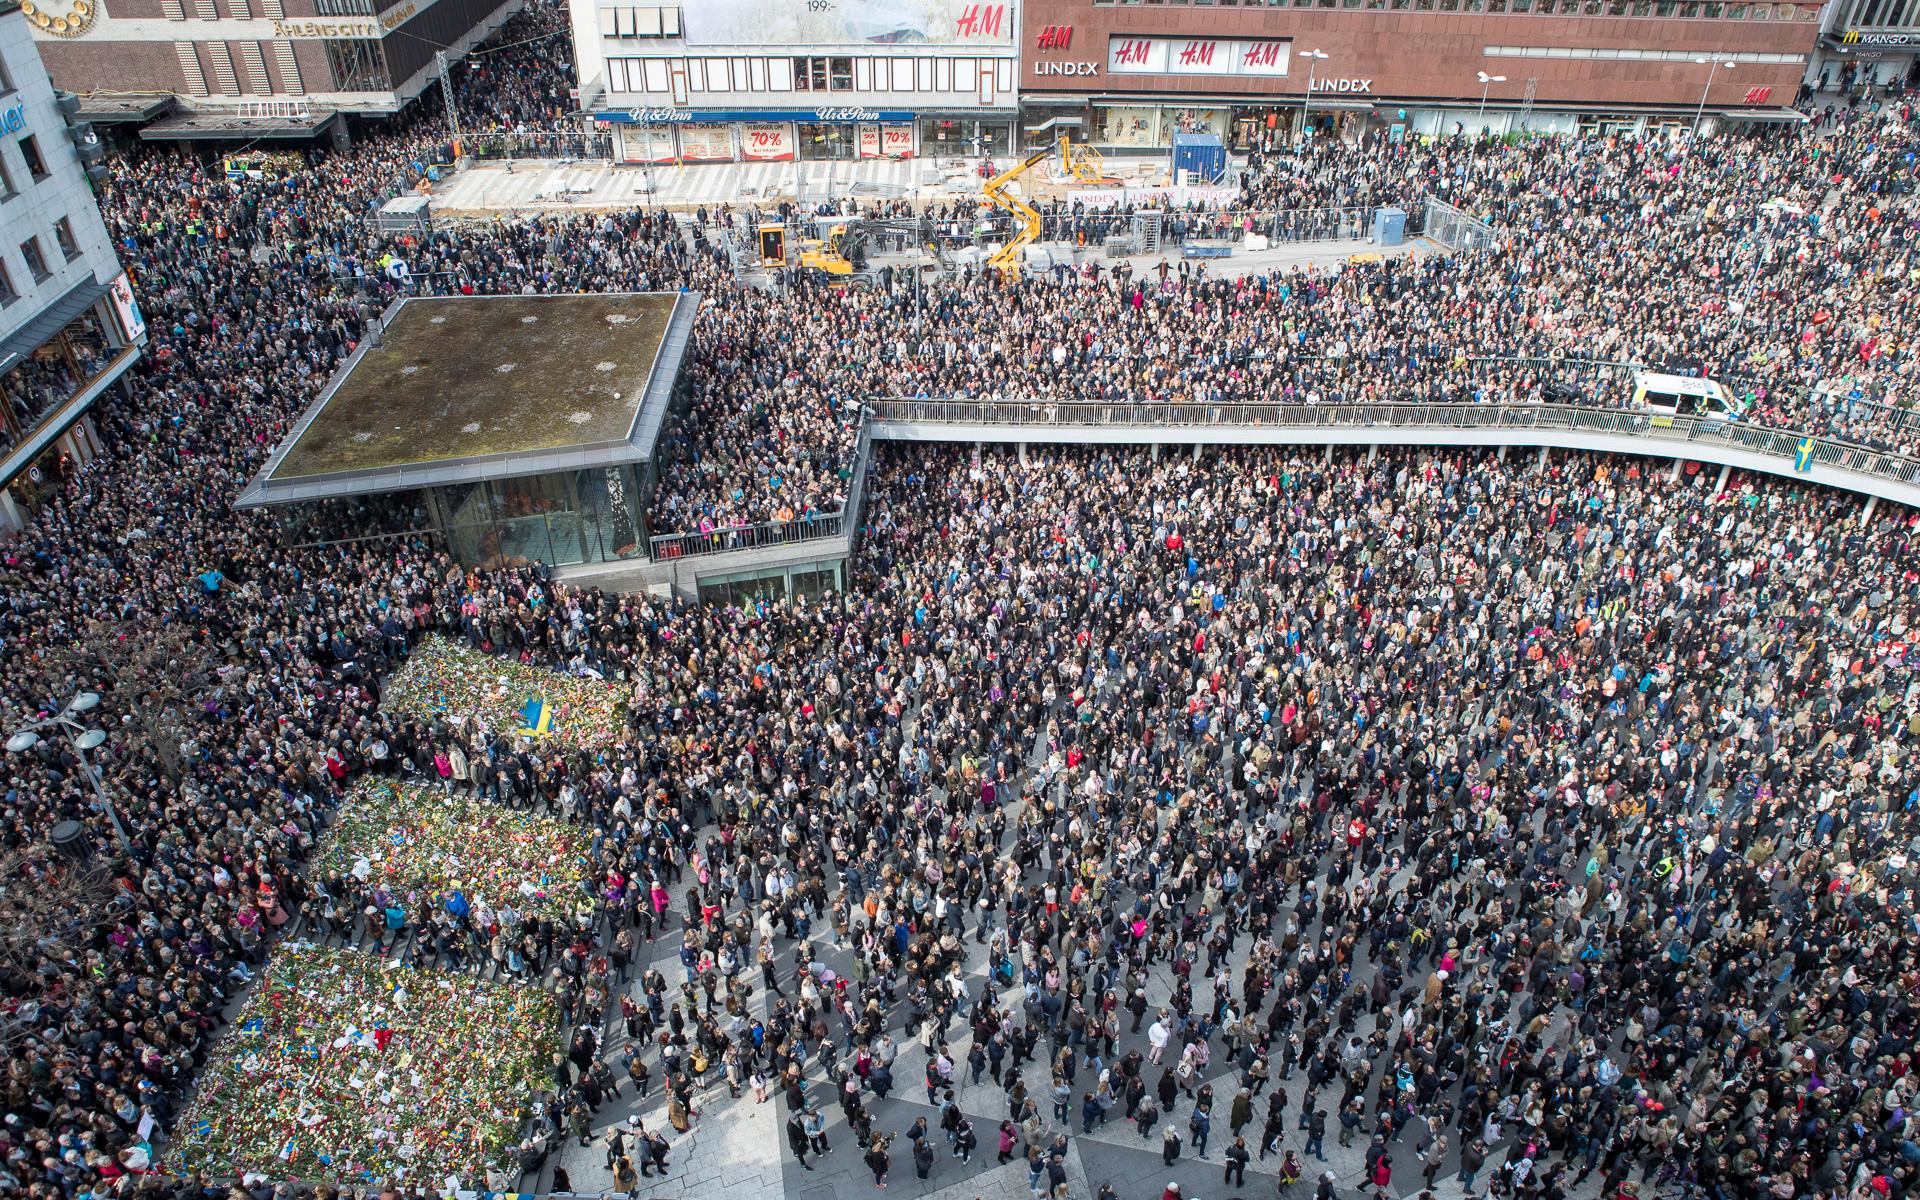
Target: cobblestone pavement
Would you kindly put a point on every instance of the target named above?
(737, 1148)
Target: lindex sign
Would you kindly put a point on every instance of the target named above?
(1352, 86)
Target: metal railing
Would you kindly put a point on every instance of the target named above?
(1455, 229)
(1353, 223)
(1638, 423)
(1558, 368)
(840, 524)
(730, 538)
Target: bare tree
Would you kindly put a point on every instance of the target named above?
(50, 908)
(158, 675)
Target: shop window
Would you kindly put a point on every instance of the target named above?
(36, 165)
(809, 74)
(1712, 11)
(1399, 5)
(1128, 127)
(7, 294)
(1666, 8)
(840, 74)
(1616, 8)
(35, 260)
(1642, 8)
(1689, 11)
(650, 21)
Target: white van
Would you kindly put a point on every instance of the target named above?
(1684, 396)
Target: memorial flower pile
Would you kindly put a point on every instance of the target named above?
(347, 1068)
(445, 679)
(420, 840)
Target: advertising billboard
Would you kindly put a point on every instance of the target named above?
(1197, 56)
(983, 23)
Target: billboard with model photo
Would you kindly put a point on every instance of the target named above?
(849, 22)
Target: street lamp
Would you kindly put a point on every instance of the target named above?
(1312, 57)
(1700, 113)
(82, 739)
(1486, 82)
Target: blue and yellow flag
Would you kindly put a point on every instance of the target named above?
(1803, 456)
(538, 715)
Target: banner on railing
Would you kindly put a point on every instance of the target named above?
(1141, 197)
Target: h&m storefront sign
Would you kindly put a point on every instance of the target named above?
(1198, 56)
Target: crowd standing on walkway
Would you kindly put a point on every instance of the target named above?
(1561, 821)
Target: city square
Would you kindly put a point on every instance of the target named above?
(992, 601)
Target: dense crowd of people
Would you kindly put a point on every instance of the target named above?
(1561, 821)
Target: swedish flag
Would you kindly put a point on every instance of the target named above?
(1803, 456)
(538, 715)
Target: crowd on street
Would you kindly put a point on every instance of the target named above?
(1531, 828)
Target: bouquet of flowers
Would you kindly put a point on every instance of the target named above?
(347, 1068)
(422, 839)
(445, 679)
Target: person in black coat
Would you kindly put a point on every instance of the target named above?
(797, 1139)
(879, 1162)
(922, 1157)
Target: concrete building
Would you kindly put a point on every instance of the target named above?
(780, 80)
(69, 326)
(1870, 43)
(253, 69)
(1135, 75)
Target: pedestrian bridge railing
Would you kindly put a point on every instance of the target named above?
(841, 525)
(1885, 474)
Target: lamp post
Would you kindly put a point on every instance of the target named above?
(1486, 82)
(82, 739)
(1312, 57)
(1700, 113)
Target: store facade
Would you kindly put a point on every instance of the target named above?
(657, 136)
(1133, 76)
(765, 81)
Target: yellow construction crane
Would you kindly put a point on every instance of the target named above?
(1084, 164)
(1080, 163)
(1026, 218)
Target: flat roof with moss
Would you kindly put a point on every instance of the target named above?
(473, 387)
(465, 376)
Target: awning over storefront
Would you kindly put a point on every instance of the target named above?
(1336, 105)
(50, 320)
(1777, 116)
(212, 126)
(103, 109)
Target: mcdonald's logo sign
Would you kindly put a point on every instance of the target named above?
(1854, 37)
